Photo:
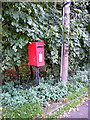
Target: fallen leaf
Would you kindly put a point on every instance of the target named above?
(58, 110)
(57, 105)
(81, 114)
(50, 113)
(78, 105)
(87, 104)
(25, 113)
(43, 116)
(0, 108)
(77, 109)
(48, 104)
(85, 98)
(60, 116)
(67, 116)
(63, 115)
(74, 109)
(81, 117)
(70, 110)
(60, 102)
(18, 114)
(68, 113)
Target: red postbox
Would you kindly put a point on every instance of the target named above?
(36, 54)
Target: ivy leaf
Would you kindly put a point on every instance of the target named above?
(15, 15)
(52, 52)
(78, 10)
(19, 61)
(29, 20)
(2, 19)
(29, 11)
(17, 30)
(14, 48)
(20, 45)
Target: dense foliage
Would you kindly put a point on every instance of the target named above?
(79, 35)
(26, 22)
(44, 93)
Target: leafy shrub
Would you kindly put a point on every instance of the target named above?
(81, 78)
(44, 92)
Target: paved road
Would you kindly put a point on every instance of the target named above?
(78, 112)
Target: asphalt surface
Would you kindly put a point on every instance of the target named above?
(81, 111)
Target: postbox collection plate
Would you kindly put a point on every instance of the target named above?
(40, 57)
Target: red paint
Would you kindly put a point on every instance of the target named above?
(36, 54)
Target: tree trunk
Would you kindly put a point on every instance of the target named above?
(31, 72)
(18, 74)
(64, 56)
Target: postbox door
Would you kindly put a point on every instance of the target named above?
(32, 54)
(40, 57)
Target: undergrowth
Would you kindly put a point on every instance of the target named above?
(18, 98)
(43, 93)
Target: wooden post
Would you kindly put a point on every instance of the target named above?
(37, 75)
(64, 58)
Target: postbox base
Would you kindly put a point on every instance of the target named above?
(36, 65)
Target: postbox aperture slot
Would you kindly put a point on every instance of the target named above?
(39, 46)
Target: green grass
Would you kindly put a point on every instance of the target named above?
(75, 102)
(76, 94)
(28, 110)
(72, 96)
(66, 108)
(50, 108)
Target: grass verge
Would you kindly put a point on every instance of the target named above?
(71, 97)
(28, 110)
(67, 107)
